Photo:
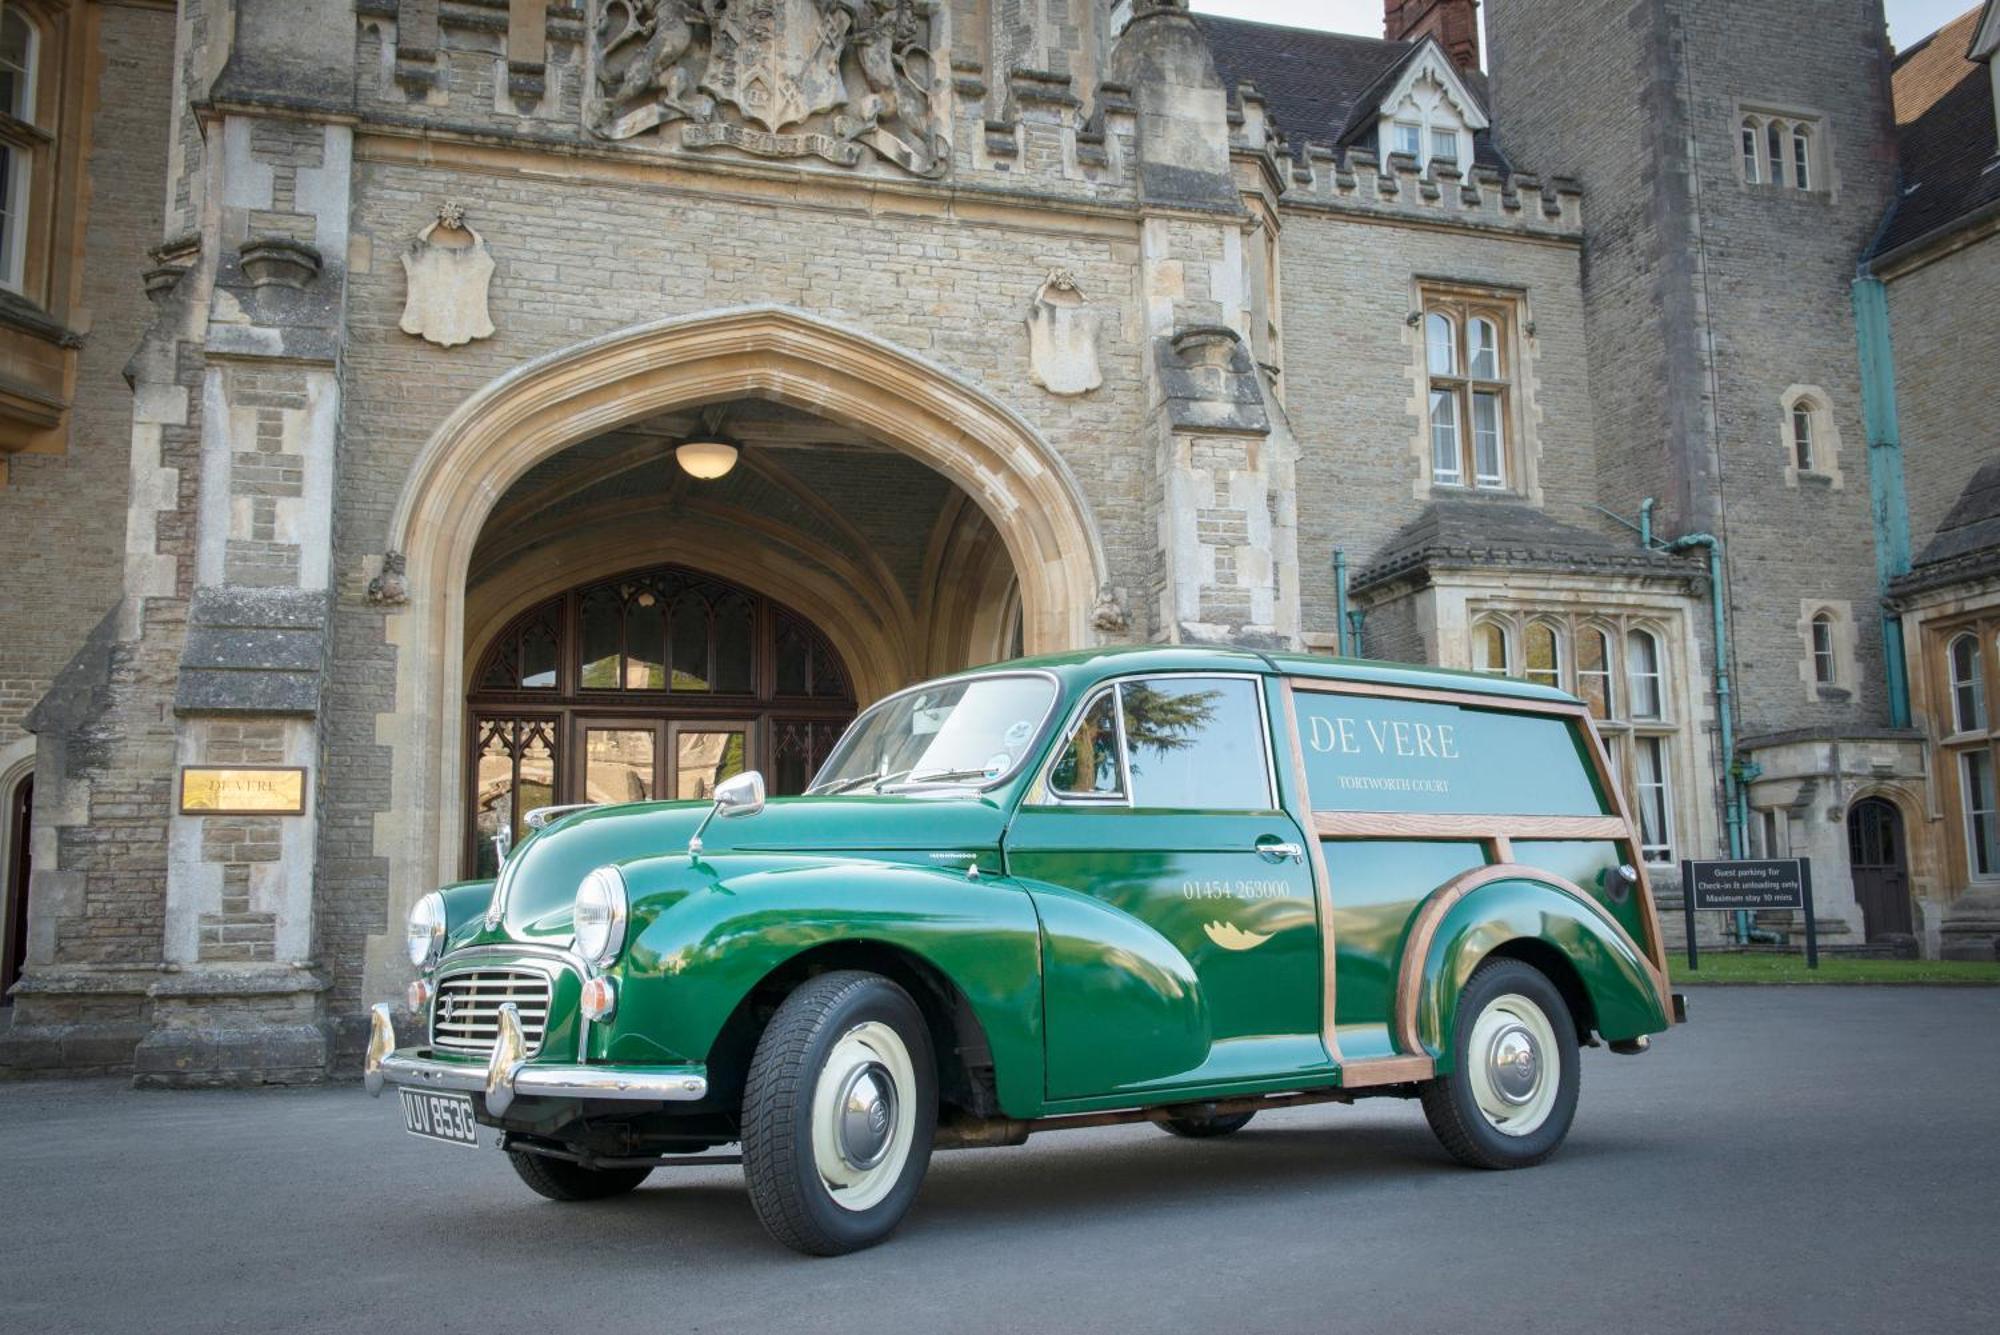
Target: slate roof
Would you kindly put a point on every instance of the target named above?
(1324, 87)
(1457, 533)
(1967, 543)
(1945, 134)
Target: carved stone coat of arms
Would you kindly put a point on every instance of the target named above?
(778, 61)
(833, 79)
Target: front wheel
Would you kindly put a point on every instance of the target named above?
(838, 1113)
(1511, 1096)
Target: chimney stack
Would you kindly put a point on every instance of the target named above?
(1455, 24)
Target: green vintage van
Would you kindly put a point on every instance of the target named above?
(1177, 885)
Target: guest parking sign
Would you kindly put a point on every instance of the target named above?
(1749, 885)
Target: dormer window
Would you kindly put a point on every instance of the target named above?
(1428, 114)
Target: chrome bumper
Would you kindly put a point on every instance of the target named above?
(507, 1075)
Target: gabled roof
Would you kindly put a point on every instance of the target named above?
(1945, 131)
(1325, 87)
(1967, 543)
(1469, 532)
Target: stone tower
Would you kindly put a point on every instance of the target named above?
(1729, 200)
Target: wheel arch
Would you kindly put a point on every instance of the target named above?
(1559, 969)
(960, 1046)
(1544, 921)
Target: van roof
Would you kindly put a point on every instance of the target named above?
(1084, 664)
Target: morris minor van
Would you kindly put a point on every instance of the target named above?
(1174, 885)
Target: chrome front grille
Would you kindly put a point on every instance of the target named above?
(465, 1016)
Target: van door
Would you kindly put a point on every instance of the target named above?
(1179, 931)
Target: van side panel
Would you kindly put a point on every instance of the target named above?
(1376, 887)
(1593, 866)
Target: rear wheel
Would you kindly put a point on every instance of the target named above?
(838, 1113)
(1515, 1075)
(1197, 1125)
(561, 1180)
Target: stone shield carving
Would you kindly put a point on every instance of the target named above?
(1062, 337)
(832, 79)
(449, 271)
(777, 61)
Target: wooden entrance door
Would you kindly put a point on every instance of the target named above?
(1881, 872)
(14, 881)
(658, 683)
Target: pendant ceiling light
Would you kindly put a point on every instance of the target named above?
(708, 454)
(706, 457)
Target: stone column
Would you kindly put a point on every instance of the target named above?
(1223, 492)
(177, 944)
(239, 997)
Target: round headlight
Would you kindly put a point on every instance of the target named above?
(426, 930)
(600, 915)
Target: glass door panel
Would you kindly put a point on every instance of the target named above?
(621, 763)
(706, 754)
(514, 771)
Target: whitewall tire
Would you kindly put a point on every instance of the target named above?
(1511, 1093)
(838, 1113)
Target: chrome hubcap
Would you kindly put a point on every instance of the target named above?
(1516, 1063)
(867, 1116)
(864, 1115)
(1513, 1065)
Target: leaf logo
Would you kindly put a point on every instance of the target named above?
(1232, 937)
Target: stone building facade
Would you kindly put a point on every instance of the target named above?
(424, 410)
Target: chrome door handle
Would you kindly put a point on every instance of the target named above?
(1278, 850)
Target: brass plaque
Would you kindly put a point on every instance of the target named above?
(245, 791)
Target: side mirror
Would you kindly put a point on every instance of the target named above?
(742, 795)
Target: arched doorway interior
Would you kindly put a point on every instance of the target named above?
(19, 813)
(1879, 863)
(656, 683)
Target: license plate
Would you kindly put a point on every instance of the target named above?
(445, 1117)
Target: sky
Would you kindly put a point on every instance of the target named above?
(1909, 20)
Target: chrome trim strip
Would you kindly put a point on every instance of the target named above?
(544, 1082)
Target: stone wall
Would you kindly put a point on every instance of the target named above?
(1584, 88)
(1942, 323)
(62, 530)
(1355, 379)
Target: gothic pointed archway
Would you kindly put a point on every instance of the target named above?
(1016, 481)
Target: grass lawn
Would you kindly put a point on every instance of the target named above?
(1760, 968)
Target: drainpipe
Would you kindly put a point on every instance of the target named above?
(1888, 502)
(1646, 522)
(1733, 799)
(1340, 601)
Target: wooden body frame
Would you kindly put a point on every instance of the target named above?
(1496, 833)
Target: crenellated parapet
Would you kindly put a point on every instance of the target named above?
(1357, 181)
(1306, 175)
